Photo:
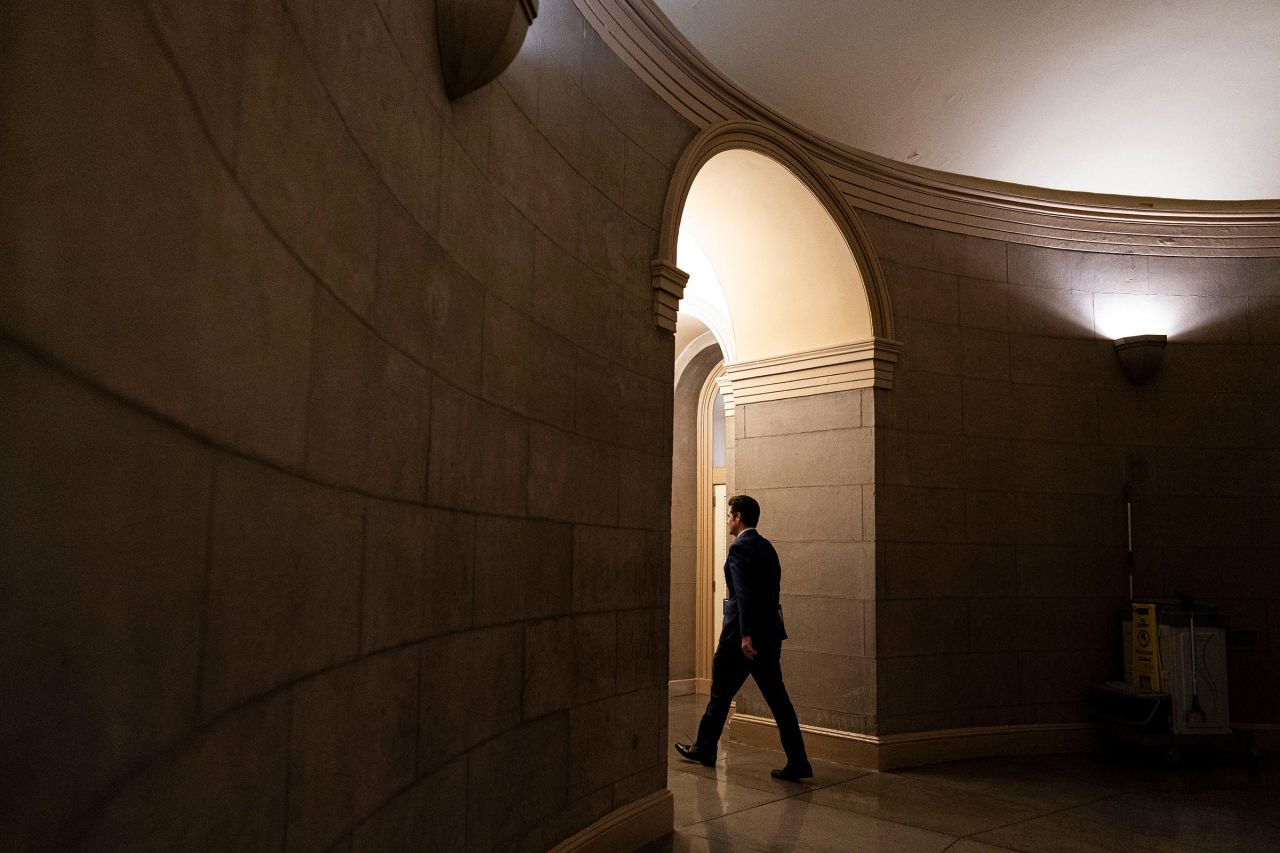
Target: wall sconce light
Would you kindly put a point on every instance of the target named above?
(477, 41)
(1140, 356)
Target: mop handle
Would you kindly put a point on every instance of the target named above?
(1128, 521)
(1194, 689)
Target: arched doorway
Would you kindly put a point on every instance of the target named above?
(701, 446)
(782, 297)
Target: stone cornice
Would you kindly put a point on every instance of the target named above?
(648, 43)
(866, 364)
(668, 289)
(726, 392)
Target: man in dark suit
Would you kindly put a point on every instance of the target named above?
(750, 644)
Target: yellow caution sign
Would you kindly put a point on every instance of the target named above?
(1145, 649)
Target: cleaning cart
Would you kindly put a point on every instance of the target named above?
(1174, 694)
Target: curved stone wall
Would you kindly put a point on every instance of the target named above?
(337, 431)
(1001, 458)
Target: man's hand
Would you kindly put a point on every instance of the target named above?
(747, 649)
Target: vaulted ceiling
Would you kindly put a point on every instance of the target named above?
(1163, 98)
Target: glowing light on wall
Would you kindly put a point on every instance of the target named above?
(1123, 315)
(1139, 324)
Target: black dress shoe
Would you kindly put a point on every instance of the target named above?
(793, 774)
(690, 752)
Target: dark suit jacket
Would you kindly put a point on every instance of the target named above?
(752, 576)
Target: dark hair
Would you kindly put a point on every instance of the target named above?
(745, 506)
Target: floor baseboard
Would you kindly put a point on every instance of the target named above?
(912, 749)
(1266, 736)
(682, 687)
(625, 829)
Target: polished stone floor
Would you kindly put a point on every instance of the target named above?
(1049, 803)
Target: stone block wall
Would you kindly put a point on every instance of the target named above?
(810, 462)
(334, 490)
(1002, 454)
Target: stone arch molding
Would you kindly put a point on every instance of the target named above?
(857, 356)
(650, 45)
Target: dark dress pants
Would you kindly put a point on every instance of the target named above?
(729, 670)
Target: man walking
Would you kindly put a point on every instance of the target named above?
(750, 644)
